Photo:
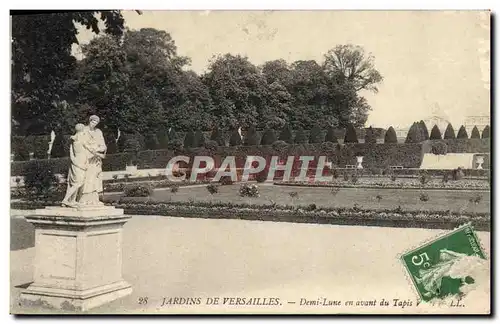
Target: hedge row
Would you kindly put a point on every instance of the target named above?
(472, 145)
(375, 156)
(308, 214)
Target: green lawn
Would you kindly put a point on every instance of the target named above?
(455, 201)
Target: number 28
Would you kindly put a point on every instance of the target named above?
(421, 258)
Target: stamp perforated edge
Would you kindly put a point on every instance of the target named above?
(429, 241)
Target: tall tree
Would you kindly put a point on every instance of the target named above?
(42, 62)
(238, 90)
(352, 63)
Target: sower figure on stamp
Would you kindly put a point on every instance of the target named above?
(80, 154)
(92, 185)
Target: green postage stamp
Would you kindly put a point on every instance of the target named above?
(439, 268)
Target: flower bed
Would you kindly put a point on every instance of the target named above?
(340, 216)
(399, 183)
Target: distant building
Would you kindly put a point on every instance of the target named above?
(480, 121)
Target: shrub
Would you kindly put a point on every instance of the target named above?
(350, 135)
(111, 146)
(199, 139)
(346, 176)
(115, 176)
(439, 148)
(39, 178)
(449, 133)
(486, 132)
(435, 133)
(286, 135)
(138, 191)
(446, 177)
(300, 137)
(390, 136)
(393, 177)
(462, 133)
(476, 199)
(133, 143)
(354, 178)
(175, 144)
(424, 197)
(20, 149)
(311, 207)
(251, 138)
(217, 137)
(457, 174)
(268, 138)
(121, 142)
(213, 188)
(335, 173)
(211, 145)
(151, 142)
(226, 181)
(424, 178)
(293, 194)
(41, 151)
(280, 146)
(189, 139)
(249, 190)
(334, 191)
(370, 136)
(378, 197)
(174, 188)
(261, 176)
(475, 133)
(235, 139)
(163, 137)
(315, 136)
(330, 135)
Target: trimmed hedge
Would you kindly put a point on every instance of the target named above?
(375, 155)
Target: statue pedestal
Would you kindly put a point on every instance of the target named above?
(78, 260)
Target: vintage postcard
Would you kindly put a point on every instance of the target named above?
(250, 162)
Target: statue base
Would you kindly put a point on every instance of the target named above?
(78, 258)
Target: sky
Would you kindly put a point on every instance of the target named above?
(433, 62)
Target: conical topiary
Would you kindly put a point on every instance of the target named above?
(462, 133)
(449, 133)
(350, 134)
(330, 135)
(300, 137)
(390, 136)
(286, 135)
(435, 133)
(475, 133)
(268, 138)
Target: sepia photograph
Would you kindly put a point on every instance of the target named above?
(250, 162)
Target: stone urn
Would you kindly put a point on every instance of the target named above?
(360, 162)
(480, 161)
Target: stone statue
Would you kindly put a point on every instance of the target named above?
(85, 173)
